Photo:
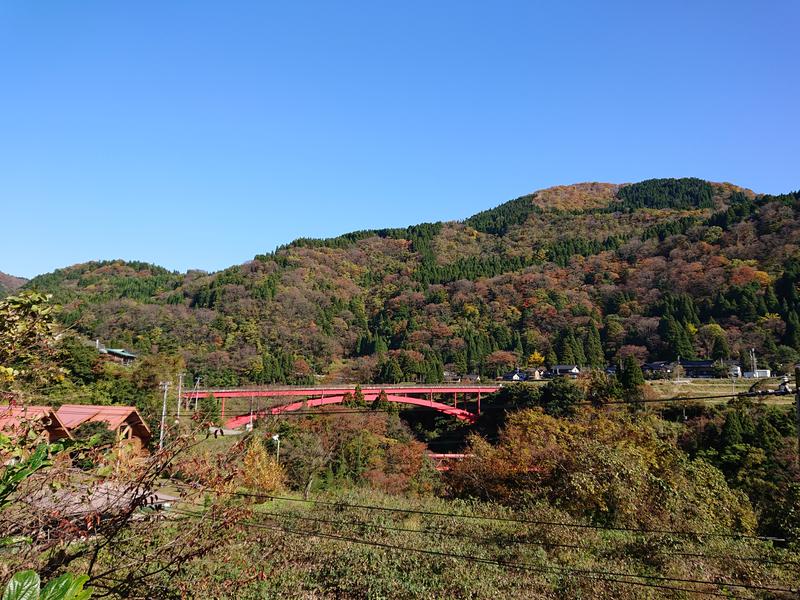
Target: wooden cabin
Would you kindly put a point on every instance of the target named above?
(13, 421)
(124, 421)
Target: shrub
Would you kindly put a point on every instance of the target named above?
(602, 466)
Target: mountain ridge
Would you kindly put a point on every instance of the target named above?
(586, 273)
(592, 194)
(10, 283)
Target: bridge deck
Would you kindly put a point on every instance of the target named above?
(309, 391)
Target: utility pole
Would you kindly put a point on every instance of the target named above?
(196, 397)
(165, 384)
(180, 399)
(277, 439)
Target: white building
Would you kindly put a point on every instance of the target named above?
(757, 374)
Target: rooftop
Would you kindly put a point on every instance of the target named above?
(74, 415)
(12, 418)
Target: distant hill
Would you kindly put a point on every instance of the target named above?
(585, 274)
(9, 283)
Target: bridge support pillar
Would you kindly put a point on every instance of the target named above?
(479, 403)
(222, 411)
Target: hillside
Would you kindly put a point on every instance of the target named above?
(587, 273)
(9, 283)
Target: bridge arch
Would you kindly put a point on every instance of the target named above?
(391, 396)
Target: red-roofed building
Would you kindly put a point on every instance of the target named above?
(13, 418)
(124, 421)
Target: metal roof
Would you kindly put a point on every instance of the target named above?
(120, 352)
(74, 415)
(12, 417)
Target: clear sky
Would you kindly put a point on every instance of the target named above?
(196, 134)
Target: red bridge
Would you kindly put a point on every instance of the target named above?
(417, 395)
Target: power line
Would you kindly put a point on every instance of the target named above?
(502, 519)
(507, 539)
(582, 573)
(585, 574)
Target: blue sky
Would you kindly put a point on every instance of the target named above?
(197, 134)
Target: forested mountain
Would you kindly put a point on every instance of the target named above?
(9, 283)
(585, 274)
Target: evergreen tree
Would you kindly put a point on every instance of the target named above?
(748, 426)
(381, 347)
(786, 285)
(791, 337)
(748, 309)
(720, 349)
(390, 371)
(434, 369)
(567, 353)
(768, 438)
(771, 300)
(676, 339)
(731, 430)
(630, 375)
(359, 311)
(577, 350)
(594, 349)
(761, 306)
(364, 345)
(471, 360)
(770, 347)
(571, 349)
(518, 350)
(631, 379)
(460, 362)
(721, 308)
(559, 397)
(358, 396)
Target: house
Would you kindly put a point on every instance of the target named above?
(757, 374)
(536, 373)
(565, 371)
(658, 369)
(118, 355)
(698, 369)
(124, 421)
(515, 375)
(13, 421)
(451, 376)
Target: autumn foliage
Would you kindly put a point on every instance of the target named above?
(604, 466)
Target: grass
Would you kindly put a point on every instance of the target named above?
(286, 549)
(691, 388)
